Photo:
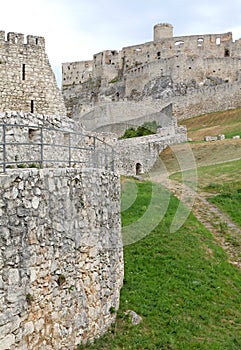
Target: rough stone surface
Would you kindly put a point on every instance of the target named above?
(61, 263)
(27, 82)
(138, 155)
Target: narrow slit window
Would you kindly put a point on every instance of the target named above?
(23, 72)
(32, 106)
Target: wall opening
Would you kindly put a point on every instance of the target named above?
(33, 135)
(226, 53)
(23, 72)
(200, 42)
(36, 41)
(139, 169)
(32, 106)
(218, 41)
(179, 43)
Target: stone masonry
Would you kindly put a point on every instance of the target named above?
(61, 263)
(27, 82)
(185, 71)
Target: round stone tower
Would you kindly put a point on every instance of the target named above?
(163, 31)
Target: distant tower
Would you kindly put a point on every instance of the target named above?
(163, 31)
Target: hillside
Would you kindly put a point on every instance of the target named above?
(182, 283)
(225, 122)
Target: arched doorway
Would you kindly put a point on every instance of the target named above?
(139, 170)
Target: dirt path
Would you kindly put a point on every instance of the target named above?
(227, 233)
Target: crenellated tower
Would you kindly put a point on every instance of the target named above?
(27, 82)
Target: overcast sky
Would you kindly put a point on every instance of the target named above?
(74, 30)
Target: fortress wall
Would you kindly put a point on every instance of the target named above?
(184, 70)
(206, 45)
(145, 150)
(124, 112)
(31, 128)
(61, 263)
(27, 82)
(163, 118)
(206, 100)
(75, 73)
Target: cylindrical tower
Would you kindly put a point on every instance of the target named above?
(163, 31)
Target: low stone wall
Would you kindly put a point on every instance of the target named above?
(35, 140)
(61, 262)
(138, 155)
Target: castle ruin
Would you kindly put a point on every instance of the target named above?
(197, 74)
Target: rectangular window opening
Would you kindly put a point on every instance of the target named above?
(23, 72)
(32, 106)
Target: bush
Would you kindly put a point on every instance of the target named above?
(147, 128)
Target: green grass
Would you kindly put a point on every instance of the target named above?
(213, 177)
(229, 201)
(181, 284)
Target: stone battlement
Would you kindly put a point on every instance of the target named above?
(18, 39)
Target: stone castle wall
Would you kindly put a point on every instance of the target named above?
(36, 140)
(138, 155)
(61, 264)
(27, 82)
(206, 100)
(167, 69)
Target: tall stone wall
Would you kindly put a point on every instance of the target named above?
(27, 82)
(61, 264)
(138, 155)
(207, 100)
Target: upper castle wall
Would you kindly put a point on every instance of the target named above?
(109, 64)
(27, 82)
(76, 72)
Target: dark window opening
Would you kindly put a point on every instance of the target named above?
(32, 106)
(23, 72)
(190, 67)
(34, 135)
(36, 41)
(138, 169)
(158, 54)
(226, 53)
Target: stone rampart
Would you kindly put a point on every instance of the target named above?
(35, 140)
(207, 100)
(27, 82)
(61, 264)
(138, 155)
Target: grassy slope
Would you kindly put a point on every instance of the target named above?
(181, 284)
(225, 122)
